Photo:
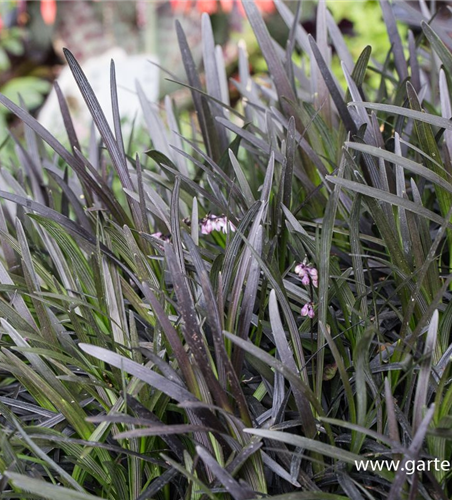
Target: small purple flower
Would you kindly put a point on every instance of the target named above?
(308, 273)
(308, 310)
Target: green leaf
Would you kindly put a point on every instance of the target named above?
(45, 490)
(30, 88)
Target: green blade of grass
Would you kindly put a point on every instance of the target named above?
(45, 490)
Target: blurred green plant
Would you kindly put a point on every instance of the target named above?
(29, 90)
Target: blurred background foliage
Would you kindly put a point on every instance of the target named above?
(33, 33)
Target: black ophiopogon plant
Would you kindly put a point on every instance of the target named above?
(251, 303)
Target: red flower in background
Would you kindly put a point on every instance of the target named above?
(48, 11)
(211, 6)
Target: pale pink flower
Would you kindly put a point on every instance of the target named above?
(213, 223)
(305, 279)
(224, 224)
(218, 224)
(307, 273)
(314, 275)
(313, 272)
(308, 310)
(206, 226)
(160, 236)
(300, 269)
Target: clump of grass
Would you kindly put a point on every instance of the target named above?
(257, 307)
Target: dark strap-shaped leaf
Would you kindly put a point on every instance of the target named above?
(236, 490)
(287, 358)
(211, 74)
(67, 120)
(143, 373)
(334, 91)
(414, 63)
(100, 120)
(73, 200)
(205, 118)
(379, 194)
(192, 331)
(115, 109)
(275, 66)
(397, 47)
(437, 121)
(438, 46)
